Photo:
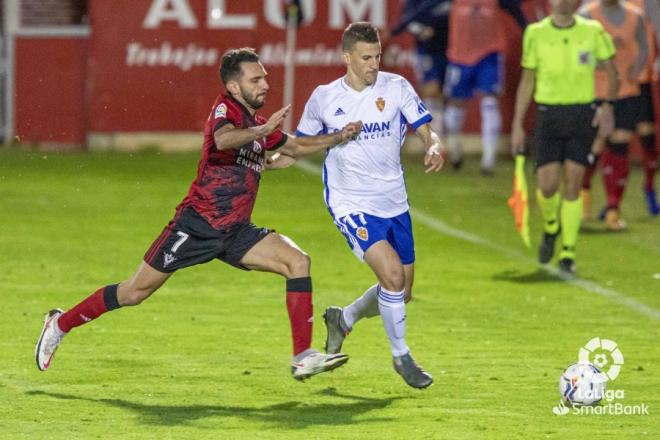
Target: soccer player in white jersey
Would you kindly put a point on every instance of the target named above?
(364, 186)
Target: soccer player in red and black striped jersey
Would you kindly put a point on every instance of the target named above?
(214, 220)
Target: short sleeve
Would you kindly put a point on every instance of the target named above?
(529, 58)
(221, 115)
(412, 107)
(275, 140)
(604, 45)
(311, 123)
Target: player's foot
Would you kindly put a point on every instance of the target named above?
(336, 327)
(547, 248)
(613, 220)
(49, 340)
(652, 202)
(412, 373)
(315, 363)
(586, 204)
(457, 164)
(567, 266)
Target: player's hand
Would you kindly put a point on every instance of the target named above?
(351, 131)
(597, 146)
(604, 120)
(518, 137)
(433, 158)
(278, 161)
(276, 119)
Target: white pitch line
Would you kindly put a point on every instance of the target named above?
(443, 228)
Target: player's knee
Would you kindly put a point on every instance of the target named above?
(393, 279)
(298, 265)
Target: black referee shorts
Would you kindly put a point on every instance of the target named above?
(564, 132)
(189, 239)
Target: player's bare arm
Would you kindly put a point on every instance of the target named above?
(433, 158)
(229, 137)
(296, 147)
(604, 117)
(523, 99)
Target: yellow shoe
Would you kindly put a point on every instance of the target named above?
(586, 204)
(613, 220)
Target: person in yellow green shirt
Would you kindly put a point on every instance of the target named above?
(560, 55)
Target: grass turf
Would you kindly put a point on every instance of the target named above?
(208, 355)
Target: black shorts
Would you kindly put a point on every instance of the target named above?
(627, 113)
(564, 132)
(189, 239)
(646, 103)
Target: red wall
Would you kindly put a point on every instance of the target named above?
(50, 89)
(130, 93)
(118, 80)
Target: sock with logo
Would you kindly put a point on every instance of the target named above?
(549, 210)
(615, 173)
(98, 303)
(301, 312)
(393, 312)
(649, 160)
(491, 124)
(571, 217)
(454, 119)
(365, 306)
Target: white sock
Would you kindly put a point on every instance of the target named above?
(491, 124)
(365, 306)
(454, 119)
(393, 311)
(436, 108)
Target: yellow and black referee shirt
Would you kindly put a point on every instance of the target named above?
(565, 59)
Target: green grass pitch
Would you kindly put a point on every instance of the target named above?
(207, 357)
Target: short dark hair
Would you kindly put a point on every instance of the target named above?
(360, 31)
(230, 67)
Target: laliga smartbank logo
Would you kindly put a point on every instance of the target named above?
(584, 386)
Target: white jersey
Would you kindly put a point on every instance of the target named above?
(365, 175)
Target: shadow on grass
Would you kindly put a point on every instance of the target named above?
(538, 276)
(293, 415)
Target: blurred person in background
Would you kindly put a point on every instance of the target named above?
(625, 23)
(560, 55)
(476, 43)
(428, 22)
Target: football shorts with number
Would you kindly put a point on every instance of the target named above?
(363, 230)
(189, 239)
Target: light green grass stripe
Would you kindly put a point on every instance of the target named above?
(443, 228)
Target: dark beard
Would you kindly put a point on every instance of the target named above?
(252, 103)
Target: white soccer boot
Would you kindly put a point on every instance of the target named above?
(49, 340)
(312, 362)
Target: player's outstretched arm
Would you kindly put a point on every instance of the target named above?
(296, 147)
(228, 136)
(433, 158)
(523, 99)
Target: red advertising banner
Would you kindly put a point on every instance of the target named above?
(154, 63)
